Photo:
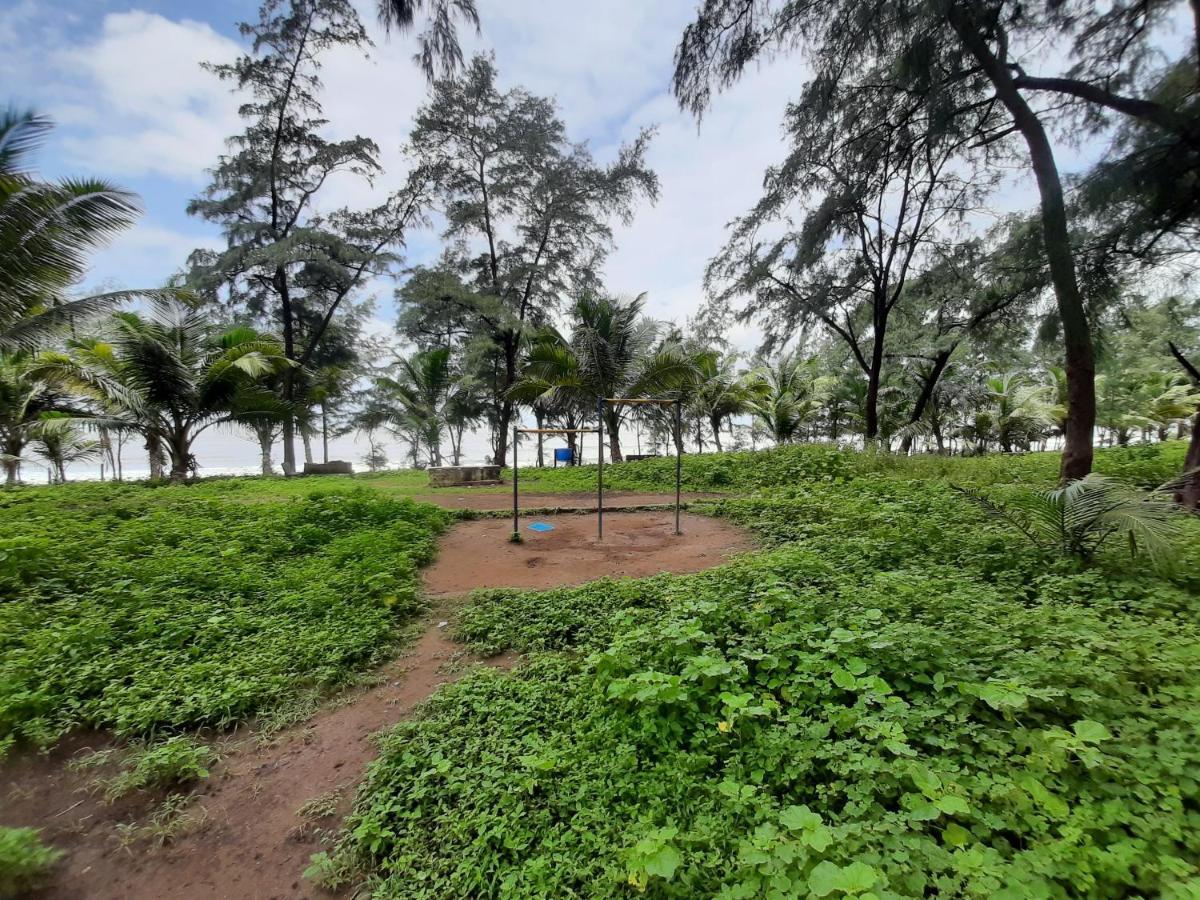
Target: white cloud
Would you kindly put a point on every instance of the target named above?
(148, 105)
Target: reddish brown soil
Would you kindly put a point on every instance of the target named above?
(246, 840)
(465, 498)
(636, 544)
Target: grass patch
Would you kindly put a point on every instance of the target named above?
(141, 609)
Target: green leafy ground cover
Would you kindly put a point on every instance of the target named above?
(140, 609)
(898, 698)
(1146, 466)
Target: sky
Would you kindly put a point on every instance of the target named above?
(124, 84)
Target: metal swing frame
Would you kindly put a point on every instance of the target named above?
(601, 404)
(517, 432)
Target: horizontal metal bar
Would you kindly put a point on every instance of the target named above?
(636, 400)
(556, 430)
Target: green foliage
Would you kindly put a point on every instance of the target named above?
(899, 698)
(1078, 518)
(176, 761)
(1144, 466)
(139, 609)
(24, 861)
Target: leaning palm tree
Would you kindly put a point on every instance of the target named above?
(169, 375)
(47, 231)
(611, 353)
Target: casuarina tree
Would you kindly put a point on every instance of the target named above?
(959, 57)
(527, 211)
(286, 263)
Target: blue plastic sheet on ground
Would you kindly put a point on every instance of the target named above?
(541, 526)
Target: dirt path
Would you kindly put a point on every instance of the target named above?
(452, 498)
(244, 840)
(636, 544)
(241, 837)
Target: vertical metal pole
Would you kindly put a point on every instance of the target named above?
(516, 523)
(600, 469)
(678, 459)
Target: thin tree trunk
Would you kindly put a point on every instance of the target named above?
(612, 425)
(265, 442)
(289, 382)
(1078, 432)
(324, 432)
(716, 430)
(539, 417)
(306, 437)
(1188, 495)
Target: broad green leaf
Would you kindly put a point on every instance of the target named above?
(844, 679)
(1092, 732)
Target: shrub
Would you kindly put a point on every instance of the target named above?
(176, 761)
(167, 608)
(24, 861)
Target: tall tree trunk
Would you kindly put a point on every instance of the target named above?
(612, 425)
(716, 430)
(324, 432)
(1188, 495)
(1078, 432)
(503, 423)
(265, 435)
(280, 283)
(306, 437)
(156, 456)
(539, 417)
(872, 405)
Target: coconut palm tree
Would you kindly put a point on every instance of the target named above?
(170, 376)
(722, 392)
(1015, 412)
(58, 440)
(785, 394)
(1167, 400)
(413, 404)
(611, 353)
(24, 398)
(47, 231)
